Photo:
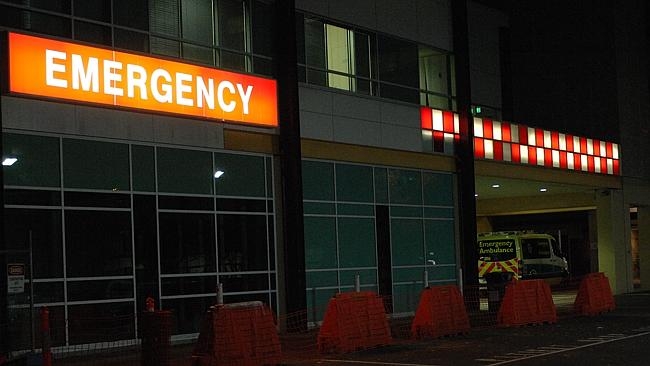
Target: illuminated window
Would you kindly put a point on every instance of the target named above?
(335, 56)
(435, 81)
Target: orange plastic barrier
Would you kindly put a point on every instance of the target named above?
(527, 302)
(353, 321)
(441, 312)
(594, 296)
(241, 334)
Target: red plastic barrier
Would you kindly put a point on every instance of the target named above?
(353, 321)
(527, 302)
(441, 312)
(594, 296)
(241, 334)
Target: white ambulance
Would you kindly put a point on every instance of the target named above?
(526, 254)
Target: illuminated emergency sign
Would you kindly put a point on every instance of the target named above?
(517, 143)
(61, 70)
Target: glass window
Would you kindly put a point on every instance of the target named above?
(61, 6)
(262, 28)
(93, 33)
(433, 70)
(133, 14)
(241, 175)
(99, 290)
(354, 183)
(397, 61)
(144, 171)
(145, 234)
(163, 19)
(405, 186)
(196, 21)
(315, 52)
(198, 53)
(187, 243)
(381, 185)
(188, 313)
(406, 242)
(242, 243)
(98, 243)
(37, 161)
(46, 236)
(340, 57)
(535, 248)
(318, 180)
(130, 40)
(320, 242)
(232, 23)
(356, 242)
(93, 9)
(184, 171)
(439, 242)
(95, 165)
(438, 189)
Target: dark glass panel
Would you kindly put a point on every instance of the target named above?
(187, 243)
(32, 197)
(46, 234)
(236, 204)
(87, 199)
(93, 33)
(99, 290)
(98, 243)
(242, 243)
(130, 13)
(185, 203)
(93, 9)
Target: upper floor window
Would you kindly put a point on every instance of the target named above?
(334, 56)
(359, 61)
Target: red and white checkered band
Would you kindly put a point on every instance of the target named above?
(516, 143)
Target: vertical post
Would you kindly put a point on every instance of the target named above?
(465, 154)
(426, 278)
(292, 269)
(357, 283)
(220, 294)
(31, 291)
(45, 332)
(4, 317)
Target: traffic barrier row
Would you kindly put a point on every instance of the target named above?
(240, 334)
(441, 312)
(527, 302)
(354, 321)
(594, 295)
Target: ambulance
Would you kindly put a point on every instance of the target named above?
(527, 255)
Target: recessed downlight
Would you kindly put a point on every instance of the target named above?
(496, 186)
(543, 189)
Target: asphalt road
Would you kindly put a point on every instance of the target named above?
(621, 337)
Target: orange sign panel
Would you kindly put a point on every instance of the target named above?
(63, 70)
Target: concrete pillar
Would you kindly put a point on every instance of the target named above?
(614, 257)
(643, 220)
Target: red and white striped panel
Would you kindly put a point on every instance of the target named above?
(516, 143)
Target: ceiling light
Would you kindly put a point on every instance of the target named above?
(543, 189)
(9, 161)
(496, 186)
(219, 173)
(475, 194)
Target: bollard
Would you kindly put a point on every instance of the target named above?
(220, 294)
(426, 279)
(45, 332)
(357, 283)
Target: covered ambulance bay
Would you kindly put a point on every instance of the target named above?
(584, 211)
